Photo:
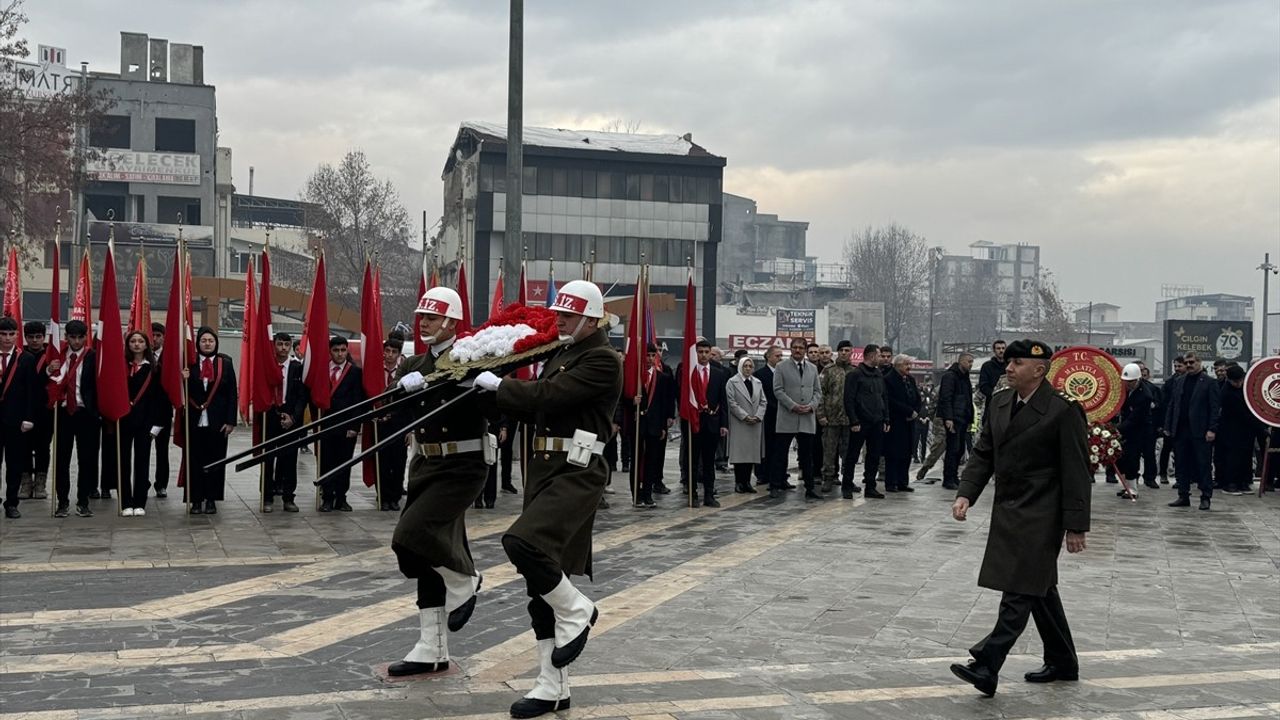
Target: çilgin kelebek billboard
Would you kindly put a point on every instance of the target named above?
(1209, 340)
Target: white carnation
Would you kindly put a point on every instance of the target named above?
(496, 341)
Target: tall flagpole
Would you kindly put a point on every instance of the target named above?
(53, 451)
(688, 443)
(642, 355)
(183, 364)
(111, 251)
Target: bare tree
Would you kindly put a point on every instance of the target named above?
(38, 167)
(968, 309)
(361, 217)
(620, 125)
(890, 264)
(1053, 320)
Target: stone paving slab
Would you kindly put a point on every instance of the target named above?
(762, 609)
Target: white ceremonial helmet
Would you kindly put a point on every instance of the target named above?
(1132, 371)
(441, 301)
(580, 297)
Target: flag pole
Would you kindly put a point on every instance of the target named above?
(259, 419)
(319, 413)
(373, 424)
(53, 450)
(182, 360)
(689, 424)
(111, 250)
(642, 354)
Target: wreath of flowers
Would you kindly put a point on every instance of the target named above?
(1104, 445)
(513, 330)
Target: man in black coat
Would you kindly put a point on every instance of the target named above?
(657, 415)
(713, 424)
(1033, 439)
(1192, 406)
(77, 418)
(955, 410)
(346, 388)
(1166, 447)
(868, 413)
(280, 473)
(1149, 464)
(903, 398)
(764, 374)
(1135, 425)
(20, 395)
(991, 372)
(36, 479)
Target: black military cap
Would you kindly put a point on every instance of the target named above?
(1028, 349)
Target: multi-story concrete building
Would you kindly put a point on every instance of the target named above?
(609, 197)
(998, 282)
(1214, 306)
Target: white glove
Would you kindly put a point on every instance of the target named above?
(413, 382)
(488, 381)
(155, 430)
(27, 425)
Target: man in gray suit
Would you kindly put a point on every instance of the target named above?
(795, 384)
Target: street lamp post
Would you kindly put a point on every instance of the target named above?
(1268, 268)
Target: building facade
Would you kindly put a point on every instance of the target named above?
(608, 200)
(1214, 306)
(994, 286)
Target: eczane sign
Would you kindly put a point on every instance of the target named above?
(149, 167)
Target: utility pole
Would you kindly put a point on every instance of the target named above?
(1267, 268)
(513, 237)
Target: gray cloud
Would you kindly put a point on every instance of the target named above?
(1112, 134)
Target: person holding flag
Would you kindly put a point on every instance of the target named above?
(161, 440)
(211, 403)
(139, 428)
(280, 472)
(20, 400)
(346, 388)
(35, 481)
(75, 385)
(391, 458)
(451, 457)
(569, 411)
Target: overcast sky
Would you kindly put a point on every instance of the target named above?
(1138, 143)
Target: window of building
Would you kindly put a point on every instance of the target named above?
(575, 183)
(529, 182)
(676, 195)
(560, 182)
(604, 185)
(646, 187)
(174, 135)
(633, 186)
(139, 208)
(546, 181)
(619, 186)
(675, 252)
(589, 188)
(104, 205)
(631, 248)
(661, 188)
(602, 248)
(167, 209)
(557, 246)
(110, 131)
(704, 190)
(573, 245)
(542, 247)
(239, 262)
(486, 177)
(659, 250)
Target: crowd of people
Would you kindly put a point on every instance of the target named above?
(756, 416)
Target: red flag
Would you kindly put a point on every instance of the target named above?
(13, 293)
(139, 305)
(247, 345)
(633, 365)
(113, 388)
(370, 337)
(53, 346)
(495, 307)
(266, 372)
(522, 296)
(464, 325)
(82, 301)
(174, 358)
(688, 388)
(315, 361)
(435, 279)
(377, 295)
(417, 317)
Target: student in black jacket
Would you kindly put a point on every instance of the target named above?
(657, 415)
(345, 389)
(280, 473)
(77, 417)
(20, 394)
(147, 405)
(211, 403)
(955, 410)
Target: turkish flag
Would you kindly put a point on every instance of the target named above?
(495, 307)
(692, 380)
(113, 386)
(266, 371)
(247, 346)
(13, 293)
(174, 357)
(315, 361)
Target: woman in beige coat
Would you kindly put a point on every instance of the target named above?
(747, 404)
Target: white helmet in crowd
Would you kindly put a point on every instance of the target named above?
(441, 301)
(1132, 371)
(580, 297)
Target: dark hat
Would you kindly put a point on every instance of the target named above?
(1028, 349)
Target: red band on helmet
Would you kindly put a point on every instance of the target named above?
(434, 306)
(571, 303)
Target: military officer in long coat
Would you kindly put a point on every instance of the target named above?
(1033, 443)
(569, 409)
(447, 471)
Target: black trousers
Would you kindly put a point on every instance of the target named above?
(770, 437)
(162, 457)
(1051, 622)
(1193, 455)
(15, 456)
(206, 445)
(135, 465)
(703, 472)
(39, 440)
(391, 463)
(81, 431)
(871, 436)
(653, 453)
(334, 451)
(951, 457)
(742, 473)
(815, 454)
(1149, 466)
(279, 473)
(897, 472)
(1166, 450)
(541, 576)
(781, 452)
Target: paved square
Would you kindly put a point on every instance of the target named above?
(760, 609)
